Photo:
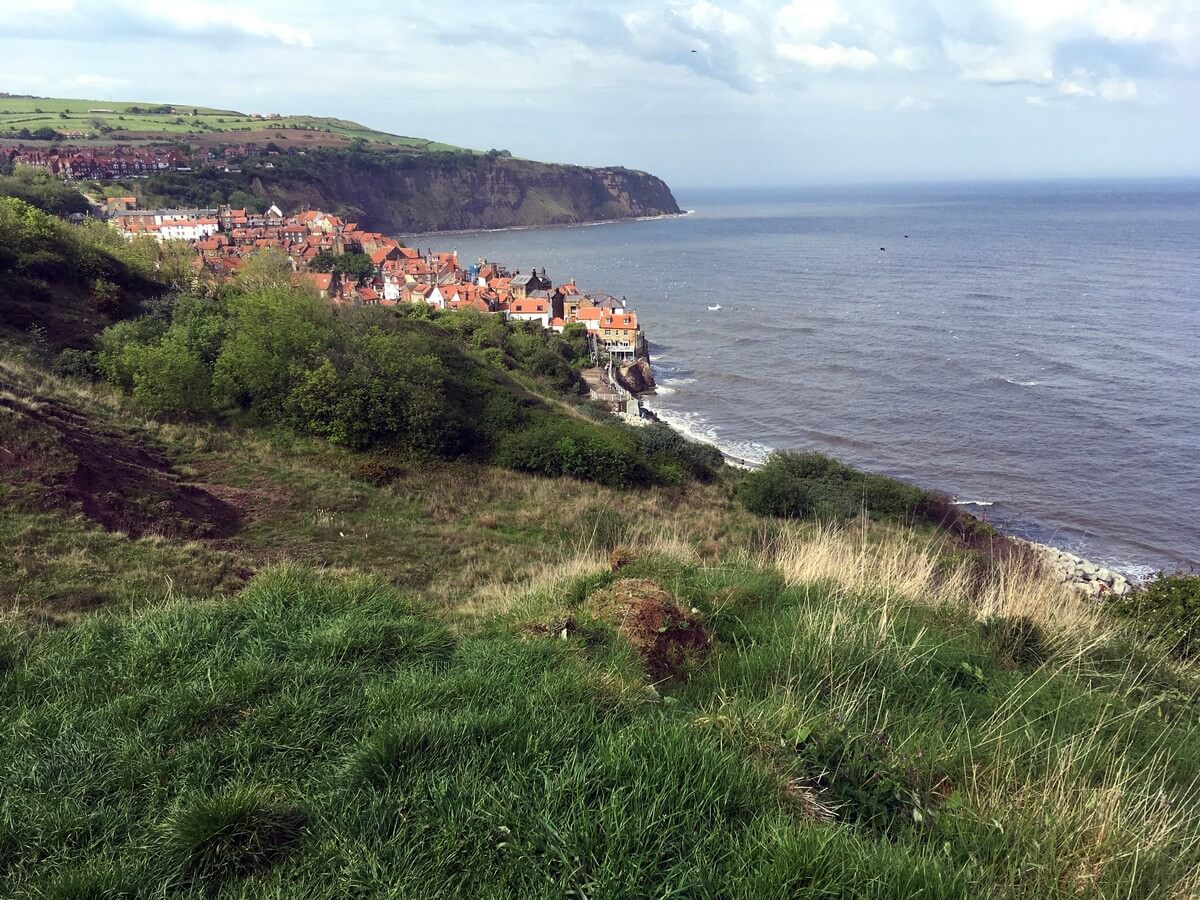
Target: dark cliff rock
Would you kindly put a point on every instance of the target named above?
(437, 192)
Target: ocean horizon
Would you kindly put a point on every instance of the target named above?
(1027, 343)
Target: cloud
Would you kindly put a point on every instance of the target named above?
(909, 102)
(998, 64)
(97, 81)
(201, 18)
(1115, 90)
(828, 56)
(809, 18)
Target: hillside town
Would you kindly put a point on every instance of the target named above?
(104, 163)
(349, 265)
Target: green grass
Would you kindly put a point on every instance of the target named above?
(72, 115)
(319, 736)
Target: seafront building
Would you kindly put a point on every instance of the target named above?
(385, 272)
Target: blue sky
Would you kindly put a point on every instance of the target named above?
(726, 92)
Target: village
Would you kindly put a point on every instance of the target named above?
(351, 266)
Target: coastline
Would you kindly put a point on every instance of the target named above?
(683, 214)
(1095, 580)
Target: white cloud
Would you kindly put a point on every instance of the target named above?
(1119, 21)
(998, 64)
(829, 56)
(199, 17)
(909, 102)
(1034, 100)
(1117, 89)
(809, 18)
(911, 58)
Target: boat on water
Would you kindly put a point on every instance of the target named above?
(714, 308)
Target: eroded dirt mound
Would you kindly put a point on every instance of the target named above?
(666, 635)
(54, 457)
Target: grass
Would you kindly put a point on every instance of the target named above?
(429, 688)
(73, 115)
(329, 735)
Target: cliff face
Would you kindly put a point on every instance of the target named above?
(435, 193)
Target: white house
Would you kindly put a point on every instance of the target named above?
(530, 311)
(187, 229)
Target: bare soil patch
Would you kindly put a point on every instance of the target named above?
(666, 635)
(53, 457)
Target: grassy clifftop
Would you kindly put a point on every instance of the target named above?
(108, 121)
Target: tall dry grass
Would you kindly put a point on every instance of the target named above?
(887, 566)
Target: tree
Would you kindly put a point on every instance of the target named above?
(275, 333)
(265, 270)
(45, 133)
(354, 265)
(322, 262)
(43, 190)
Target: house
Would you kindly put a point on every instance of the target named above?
(187, 229)
(561, 294)
(322, 281)
(619, 335)
(522, 285)
(589, 317)
(530, 311)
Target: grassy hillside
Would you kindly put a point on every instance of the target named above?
(64, 282)
(105, 120)
(266, 632)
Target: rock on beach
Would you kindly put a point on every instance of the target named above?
(1081, 574)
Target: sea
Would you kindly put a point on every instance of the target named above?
(1033, 346)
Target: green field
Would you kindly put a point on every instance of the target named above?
(105, 120)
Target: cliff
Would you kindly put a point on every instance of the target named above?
(398, 192)
(460, 191)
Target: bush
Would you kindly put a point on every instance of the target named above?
(170, 381)
(1168, 610)
(567, 447)
(810, 485)
(81, 364)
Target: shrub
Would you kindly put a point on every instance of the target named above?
(567, 447)
(1017, 638)
(106, 297)
(1168, 610)
(810, 485)
(170, 381)
(81, 364)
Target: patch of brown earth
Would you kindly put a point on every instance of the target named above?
(666, 635)
(53, 457)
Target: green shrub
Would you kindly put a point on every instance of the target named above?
(170, 381)
(811, 485)
(1167, 610)
(1017, 638)
(81, 364)
(568, 447)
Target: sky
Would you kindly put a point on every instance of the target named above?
(700, 92)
